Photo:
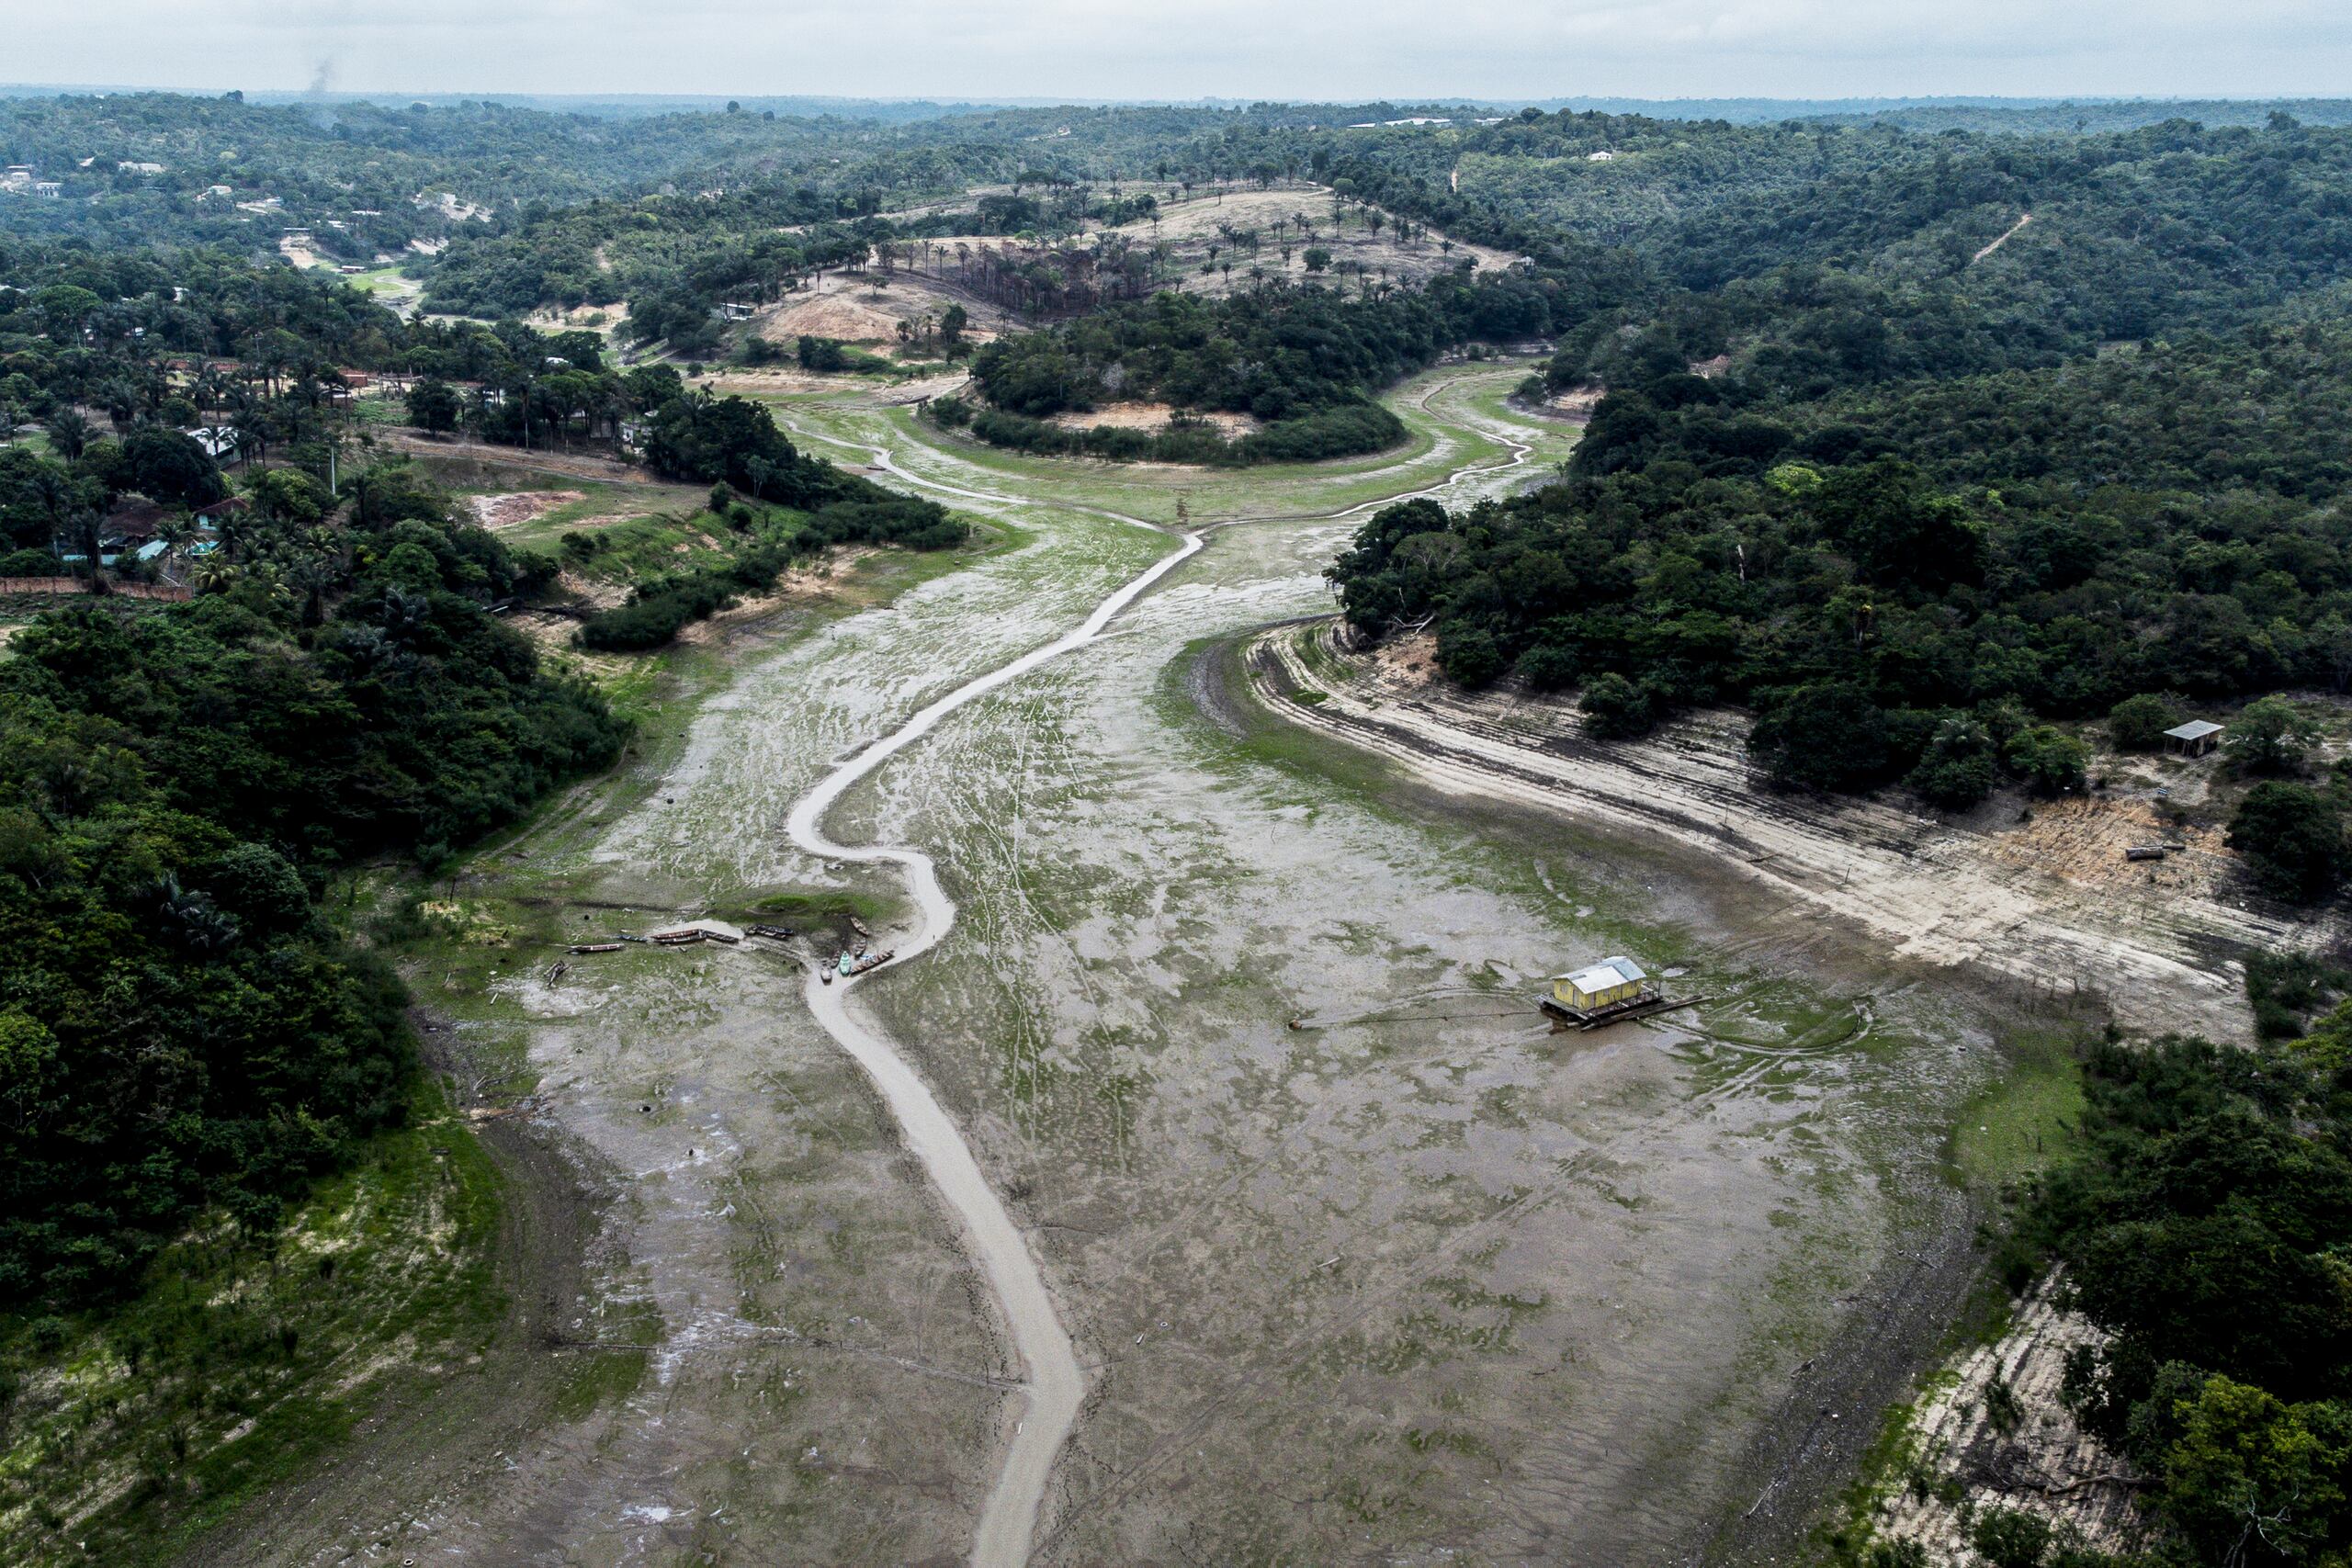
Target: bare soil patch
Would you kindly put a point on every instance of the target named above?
(1188, 227)
(1154, 417)
(1573, 404)
(841, 316)
(866, 308)
(497, 512)
(1191, 227)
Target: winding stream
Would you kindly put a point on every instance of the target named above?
(1056, 1383)
(1390, 1286)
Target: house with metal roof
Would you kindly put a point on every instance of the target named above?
(2194, 738)
(1605, 984)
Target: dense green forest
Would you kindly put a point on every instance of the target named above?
(183, 1029)
(2159, 518)
(180, 1026)
(1903, 579)
(1929, 495)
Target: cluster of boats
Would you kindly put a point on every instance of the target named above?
(858, 963)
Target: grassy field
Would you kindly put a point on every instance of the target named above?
(2024, 1121)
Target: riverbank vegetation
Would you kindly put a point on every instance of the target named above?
(1302, 360)
(1912, 530)
(2198, 1225)
(187, 1030)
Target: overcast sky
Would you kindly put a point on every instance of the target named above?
(1336, 49)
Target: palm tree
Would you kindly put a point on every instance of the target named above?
(211, 390)
(69, 434)
(231, 528)
(83, 524)
(312, 575)
(213, 574)
(121, 399)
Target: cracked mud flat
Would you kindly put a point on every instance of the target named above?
(1419, 1281)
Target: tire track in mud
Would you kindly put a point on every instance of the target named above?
(1056, 1384)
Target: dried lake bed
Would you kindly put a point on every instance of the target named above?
(1415, 1281)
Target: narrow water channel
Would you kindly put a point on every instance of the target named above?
(1055, 1384)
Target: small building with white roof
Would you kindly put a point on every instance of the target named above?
(2194, 738)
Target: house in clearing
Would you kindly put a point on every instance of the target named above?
(132, 521)
(2194, 738)
(1605, 984)
(209, 518)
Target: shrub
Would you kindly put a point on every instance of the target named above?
(2048, 760)
(2270, 736)
(1469, 655)
(1957, 769)
(1828, 735)
(1548, 667)
(821, 354)
(2292, 838)
(2138, 723)
(1616, 709)
(2010, 1537)
(649, 621)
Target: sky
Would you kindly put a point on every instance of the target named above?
(1336, 50)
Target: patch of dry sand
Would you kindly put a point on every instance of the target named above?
(841, 316)
(1153, 417)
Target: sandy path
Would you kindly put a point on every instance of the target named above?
(1928, 889)
(2002, 239)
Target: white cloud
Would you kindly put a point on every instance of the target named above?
(1288, 49)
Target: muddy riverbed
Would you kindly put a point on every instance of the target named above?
(1414, 1281)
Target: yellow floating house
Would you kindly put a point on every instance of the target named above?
(1605, 984)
